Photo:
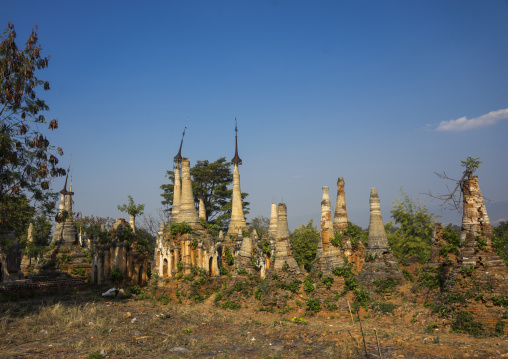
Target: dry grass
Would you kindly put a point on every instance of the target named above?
(73, 326)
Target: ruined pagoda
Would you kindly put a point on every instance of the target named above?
(329, 254)
(65, 231)
(237, 217)
(177, 188)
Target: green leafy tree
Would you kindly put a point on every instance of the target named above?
(500, 240)
(260, 224)
(413, 235)
(27, 160)
(132, 208)
(41, 237)
(356, 233)
(304, 242)
(210, 180)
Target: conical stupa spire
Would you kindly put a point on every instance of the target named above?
(177, 192)
(272, 229)
(340, 216)
(187, 211)
(237, 217)
(236, 160)
(378, 242)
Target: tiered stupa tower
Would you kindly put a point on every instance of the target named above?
(284, 259)
(272, 229)
(330, 255)
(378, 242)
(177, 188)
(187, 212)
(65, 231)
(237, 217)
(340, 216)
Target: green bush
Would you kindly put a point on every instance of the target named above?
(407, 275)
(337, 240)
(385, 286)
(499, 330)
(313, 305)
(464, 323)
(228, 256)
(481, 242)
(293, 286)
(223, 270)
(500, 300)
(384, 307)
(164, 299)
(467, 270)
(370, 257)
(328, 281)
(78, 271)
(430, 328)
(308, 285)
(242, 271)
(179, 228)
(115, 275)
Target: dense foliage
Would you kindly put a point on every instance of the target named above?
(210, 180)
(500, 240)
(304, 242)
(260, 224)
(27, 160)
(413, 235)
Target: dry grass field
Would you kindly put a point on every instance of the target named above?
(82, 324)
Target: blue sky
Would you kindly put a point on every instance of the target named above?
(382, 93)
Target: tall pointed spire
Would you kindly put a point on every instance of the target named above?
(178, 157)
(237, 217)
(236, 160)
(177, 188)
(64, 190)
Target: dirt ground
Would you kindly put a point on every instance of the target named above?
(82, 324)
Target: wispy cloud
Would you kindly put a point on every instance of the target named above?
(463, 123)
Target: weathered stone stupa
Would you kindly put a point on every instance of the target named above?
(378, 242)
(340, 216)
(272, 229)
(65, 230)
(187, 212)
(237, 217)
(202, 209)
(177, 188)
(379, 261)
(476, 232)
(329, 255)
(284, 260)
(474, 272)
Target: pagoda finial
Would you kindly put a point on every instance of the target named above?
(178, 157)
(64, 190)
(236, 160)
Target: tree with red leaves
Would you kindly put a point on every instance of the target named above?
(27, 160)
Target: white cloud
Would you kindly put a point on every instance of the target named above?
(463, 124)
